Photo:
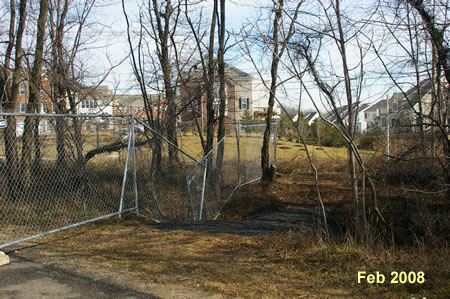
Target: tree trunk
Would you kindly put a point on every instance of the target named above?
(31, 123)
(210, 117)
(267, 174)
(222, 93)
(12, 158)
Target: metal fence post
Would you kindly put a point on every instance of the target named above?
(275, 136)
(125, 171)
(238, 142)
(133, 151)
(203, 190)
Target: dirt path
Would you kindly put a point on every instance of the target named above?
(23, 278)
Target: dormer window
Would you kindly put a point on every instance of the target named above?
(22, 89)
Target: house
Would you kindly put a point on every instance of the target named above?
(45, 105)
(361, 123)
(400, 110)
(95, 100)
(374, 112)
(309, 117)
(125, 103)
(245, 95)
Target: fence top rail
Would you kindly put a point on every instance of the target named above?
(217, 144)
(243, 123)
(67, 115)
(168, 141)
(255, 125)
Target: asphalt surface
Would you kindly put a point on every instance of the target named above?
(23, 278)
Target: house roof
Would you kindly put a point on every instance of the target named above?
(130, 100)
(381, 104)
(133, 100)
(414, 94)
(95, 92)
(231, 73)
(237, 71)
(343, 111)
(309, 116)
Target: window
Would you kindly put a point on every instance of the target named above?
(243, 103)
(89, 104)
(105, 102)
(92, 104)
(23, 107)
(395, 107)
(22, 89)
(366, 115)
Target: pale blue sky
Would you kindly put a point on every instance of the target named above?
(238, 12)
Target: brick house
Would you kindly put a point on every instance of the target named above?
(245, 95)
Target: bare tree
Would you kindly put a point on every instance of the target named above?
(164, 21)
(208, 68)
(68, 22)
(31, 126)
(419, 30)
(267, 174)
(58, 10)
(11, 81)
(307, 49)
(286, 28)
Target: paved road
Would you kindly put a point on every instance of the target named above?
(26, 279)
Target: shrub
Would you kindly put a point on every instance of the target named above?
(373, 139)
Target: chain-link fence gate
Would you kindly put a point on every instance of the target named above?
(61, 171)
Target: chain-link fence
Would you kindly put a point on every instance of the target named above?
(60, 171)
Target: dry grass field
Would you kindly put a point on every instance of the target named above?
(189, 263)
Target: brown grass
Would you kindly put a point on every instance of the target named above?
(282, 265)
(132, 252)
